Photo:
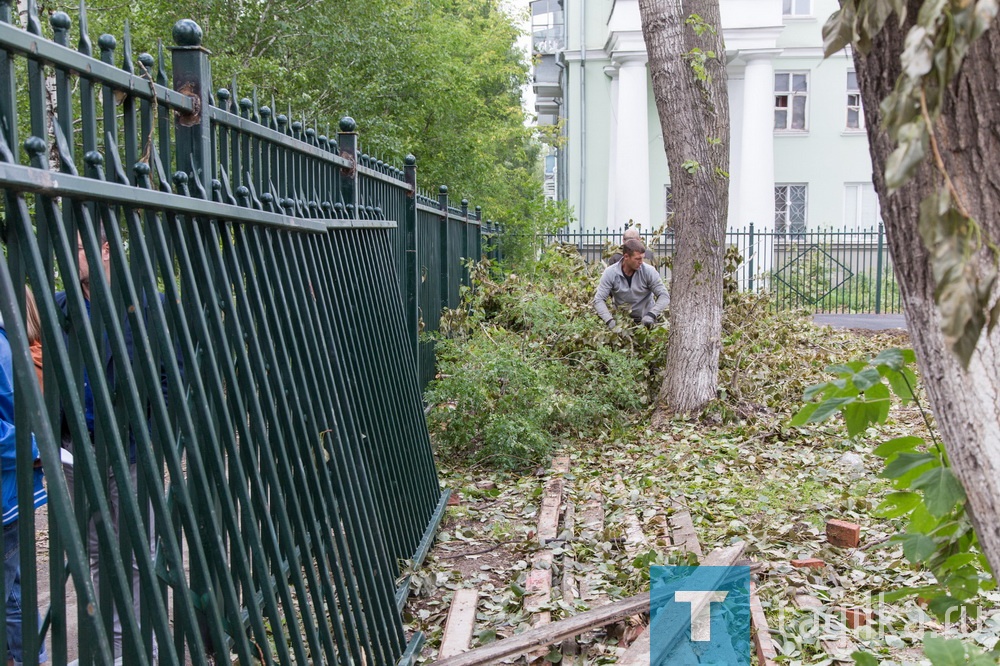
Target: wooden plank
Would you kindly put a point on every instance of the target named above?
(638, 653)
(538, 586)
(461, 621)
(573, 626)
(548, 515)
(570, 589)
(592, 528)
(766, 654)
(684, 535)
(635, 537)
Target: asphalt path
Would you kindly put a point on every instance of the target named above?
(872, 322)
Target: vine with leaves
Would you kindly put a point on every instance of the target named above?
(935, 47)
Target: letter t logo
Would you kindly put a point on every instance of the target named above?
(701, 611)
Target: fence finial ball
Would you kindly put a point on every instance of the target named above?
(187, 33)
(107, 42)
(410, 160)
(347, 124)
(34, 145)
(443, 189)
(60, 21)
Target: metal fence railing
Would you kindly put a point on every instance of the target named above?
(823, 270)
(232, 360)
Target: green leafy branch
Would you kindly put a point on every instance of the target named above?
(938, 535)
(934, 50)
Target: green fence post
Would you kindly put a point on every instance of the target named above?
(878, 269)
(479, 233)
(412, 279)
(443, 249)
(193, 77)
(465, 238)
(347, 138)
(750, 253)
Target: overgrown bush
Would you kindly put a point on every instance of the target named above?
(525, 362)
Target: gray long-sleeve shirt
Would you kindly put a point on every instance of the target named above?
(645, 295)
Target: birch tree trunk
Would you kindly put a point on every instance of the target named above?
(687, 64)
(966, 403)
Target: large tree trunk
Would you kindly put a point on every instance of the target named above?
(693, 106)
(966, 403)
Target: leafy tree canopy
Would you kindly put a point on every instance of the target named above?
(437, 78)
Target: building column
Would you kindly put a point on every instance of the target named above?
(631, 165)
(756, 187)
(612, 73)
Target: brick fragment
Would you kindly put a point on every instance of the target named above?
(843, 534)
(808, 563)
(855, 617)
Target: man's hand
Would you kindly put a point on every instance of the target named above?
(612, 324)
(648, 321)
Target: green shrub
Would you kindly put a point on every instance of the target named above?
(525, 362)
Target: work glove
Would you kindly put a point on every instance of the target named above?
(648, 321)
(612, 324)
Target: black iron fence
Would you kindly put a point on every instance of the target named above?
(823, 270)
(233, 361)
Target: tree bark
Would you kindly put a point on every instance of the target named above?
(966, 403)
(693, 107)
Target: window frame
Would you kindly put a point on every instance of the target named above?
(792, 14)
(859, 107)
(861, 225)
(791, 95)
(789, 230)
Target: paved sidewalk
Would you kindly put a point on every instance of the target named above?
(874, 322)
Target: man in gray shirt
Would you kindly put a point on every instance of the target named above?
(634, 283)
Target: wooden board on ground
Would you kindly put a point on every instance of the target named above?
(573, 626)
(682, 532)
(548, 514)
(635, 538)
(592, 528)
(764, 646)
(570, 590)
(460, 623)
(638, 653)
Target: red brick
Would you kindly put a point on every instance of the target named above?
(809, 563)
(843, 534)
(855, 617)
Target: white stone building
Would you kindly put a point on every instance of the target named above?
(799, 153)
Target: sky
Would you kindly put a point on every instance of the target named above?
(521, 9)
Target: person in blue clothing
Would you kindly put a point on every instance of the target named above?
(86, 275)
(8, 480)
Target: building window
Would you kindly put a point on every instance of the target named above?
(861, 209)
(789, 209)
(855, 118)
(791, 91)
(796, 8)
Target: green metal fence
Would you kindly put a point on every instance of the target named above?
(254, 351)
(823, 270)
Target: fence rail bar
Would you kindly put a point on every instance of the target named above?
(823, 270)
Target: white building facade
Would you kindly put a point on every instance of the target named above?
(798, 153)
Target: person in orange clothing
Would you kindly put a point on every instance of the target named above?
(34, 326)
